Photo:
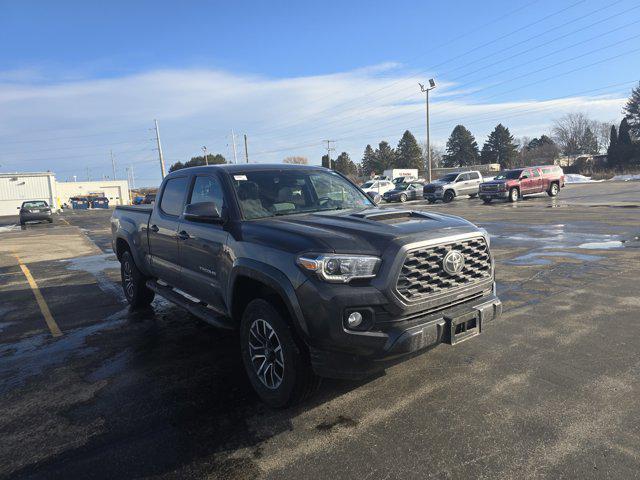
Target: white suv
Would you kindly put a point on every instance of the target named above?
(375, 188)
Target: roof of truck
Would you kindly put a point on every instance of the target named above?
(252, 167)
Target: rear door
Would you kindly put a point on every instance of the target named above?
(205, 266)
(538, 180)
(163, 230)
(526, 182)
(463, 184)
(474, 182)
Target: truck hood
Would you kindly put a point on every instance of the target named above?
(368, 231)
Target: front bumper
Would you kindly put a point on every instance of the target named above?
(494, 195)
(360, 354)
(437, 195)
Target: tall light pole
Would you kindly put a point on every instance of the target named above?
(432, 85)
(206, 160)
(160, 156)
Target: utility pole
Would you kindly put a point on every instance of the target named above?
(88, 177)
(206, 159)
(432, 85)
(235, 153)
(113, 165)
(246, 149)
(131, 177)
(160, 156)
(329, 150)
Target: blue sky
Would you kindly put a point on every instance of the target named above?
(78, 79)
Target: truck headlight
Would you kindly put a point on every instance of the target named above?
(439, 189)
(340, 268)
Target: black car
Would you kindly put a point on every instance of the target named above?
(35, 210)
(404, 192)
(317, 280)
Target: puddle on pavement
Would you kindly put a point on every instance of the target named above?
(539, 258)
(546, 241)
(31, 356)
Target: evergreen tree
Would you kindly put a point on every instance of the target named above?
(211, 159)
(612, 151)
(325, 162)
(409, 154)
(345, 165)
(632, 111)
(369, 161)
(500, 148)
(385, 157)
(589, 142)
(462, 148)
(624, 135)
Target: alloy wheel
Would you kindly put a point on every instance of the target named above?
(128, 279)
(266, 354)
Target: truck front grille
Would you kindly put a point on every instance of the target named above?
(489, 188)
(423, 274)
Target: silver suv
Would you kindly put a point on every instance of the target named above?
(453, 185)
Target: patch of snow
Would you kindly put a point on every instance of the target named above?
(625, 178)
(601, 245)
(576, 178)
(9, 228)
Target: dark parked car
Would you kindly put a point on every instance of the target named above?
(35, 210)
(149, 199)
(316, 278)
(403, 192)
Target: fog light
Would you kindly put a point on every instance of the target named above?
(354, 319)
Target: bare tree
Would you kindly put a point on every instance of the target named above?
(296, 160)
(436, 155)
(574, 134)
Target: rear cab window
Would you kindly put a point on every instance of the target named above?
(173, 195)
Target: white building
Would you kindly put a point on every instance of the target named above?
(117, 191)
(15, 188)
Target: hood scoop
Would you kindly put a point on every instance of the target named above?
(393, 216)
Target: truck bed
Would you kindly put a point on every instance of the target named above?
(136, 208)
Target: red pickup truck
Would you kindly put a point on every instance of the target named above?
(515, 184)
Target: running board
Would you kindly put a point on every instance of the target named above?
(200, 310)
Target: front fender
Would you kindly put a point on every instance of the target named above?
(273, 278)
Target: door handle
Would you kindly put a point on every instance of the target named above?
(183, 235)
(154, 228)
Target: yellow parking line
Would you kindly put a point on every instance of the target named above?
(44, 308)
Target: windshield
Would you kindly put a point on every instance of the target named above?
(448, 178)
(276, 192)
(402, 186)
(508, 175)
(39, 204)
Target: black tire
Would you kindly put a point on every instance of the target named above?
(514, 195)
(403, 198)
(473, 195)
(448, 196)
(22, 224)
(297, 380)
(431, 200)
(134, 283)
(554, 189)
(50, 220)
(486, 200)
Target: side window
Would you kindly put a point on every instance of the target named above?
(207, 189)
(173, 196)
(463, 177)
(525, 174)
(536, 172)
(474, 176)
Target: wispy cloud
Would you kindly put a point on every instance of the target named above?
(71, 125)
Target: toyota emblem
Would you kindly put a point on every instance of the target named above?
(453, 262)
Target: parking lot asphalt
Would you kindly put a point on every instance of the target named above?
(550, 390)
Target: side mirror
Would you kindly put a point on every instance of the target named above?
(19, 208)
(206, 212)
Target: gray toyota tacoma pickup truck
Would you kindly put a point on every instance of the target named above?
(317, 280)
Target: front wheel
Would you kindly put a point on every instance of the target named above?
(554, 189)
(403, 198)
(278, 369)
(431, 200)
(486, 200)
(448, 196)
(134, 283)
(514, 195)
(473, 195)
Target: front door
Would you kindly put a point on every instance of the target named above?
(205, 265)
(163, 230)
